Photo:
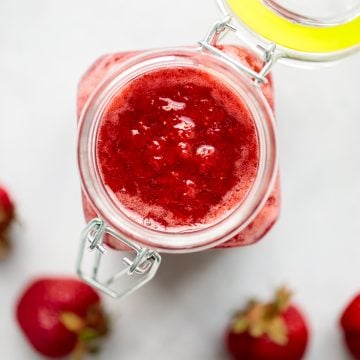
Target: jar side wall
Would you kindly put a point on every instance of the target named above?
(96, 73)
(105, 66)
(268, 215)
(262, 224)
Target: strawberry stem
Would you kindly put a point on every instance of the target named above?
(88, 329)
(259, 319)
(79, 351)
(4, 246)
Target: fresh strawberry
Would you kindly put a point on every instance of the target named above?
(350, 324)
(268, 331)
(61, 316)
(7, 215)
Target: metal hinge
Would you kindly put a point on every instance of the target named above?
(144, 265)
(218, 30)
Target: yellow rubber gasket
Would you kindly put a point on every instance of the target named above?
(262, 20)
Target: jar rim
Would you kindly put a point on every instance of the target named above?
(198, 239)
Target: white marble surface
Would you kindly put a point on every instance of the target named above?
(45, 45)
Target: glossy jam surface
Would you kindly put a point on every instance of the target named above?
(177, 147)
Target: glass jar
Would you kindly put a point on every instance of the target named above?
(118, 70)
(248, 77)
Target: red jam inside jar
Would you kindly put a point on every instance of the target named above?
(177, 148)
(168, 160)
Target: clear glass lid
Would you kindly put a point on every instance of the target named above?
(317, 12)
(307, 30)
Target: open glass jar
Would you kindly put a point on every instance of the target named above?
(230, 72)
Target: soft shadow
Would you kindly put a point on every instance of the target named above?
(176, 268)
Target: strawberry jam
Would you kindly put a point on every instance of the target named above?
(177, 148)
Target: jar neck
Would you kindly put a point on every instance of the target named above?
(105, 206)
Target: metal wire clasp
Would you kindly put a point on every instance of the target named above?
(218, 30)
(143, 266)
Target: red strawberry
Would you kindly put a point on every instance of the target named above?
(270, 331)
(350, 324)
(7, 215)
(60, 316)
